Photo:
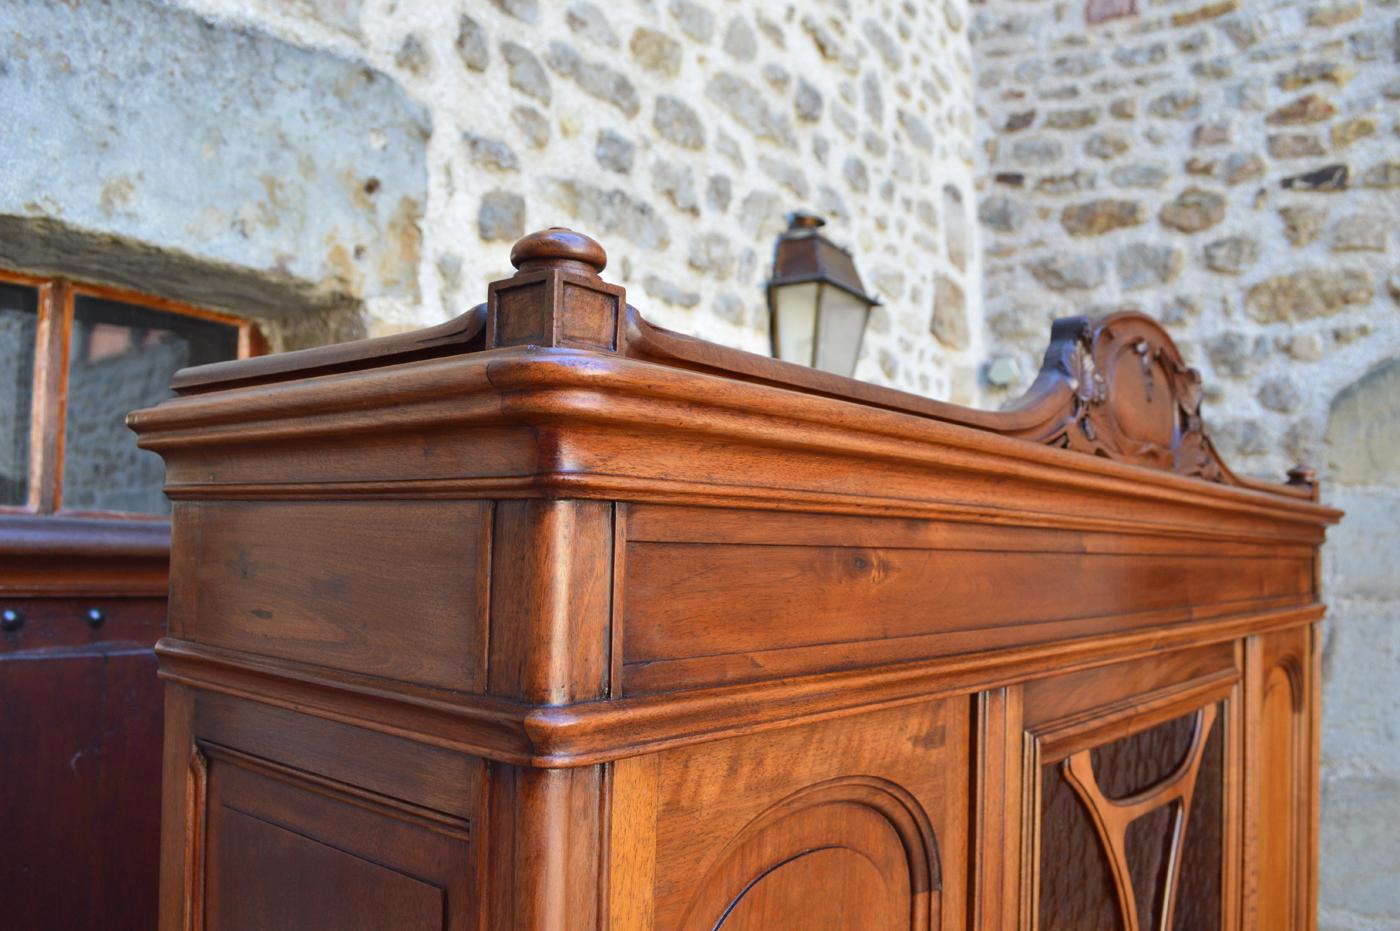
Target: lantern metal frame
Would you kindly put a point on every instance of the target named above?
(804, 256)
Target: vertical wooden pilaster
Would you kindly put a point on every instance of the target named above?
(996, 850)
(551, 604)
(1280, 779)
(181, 815)
(549, 644)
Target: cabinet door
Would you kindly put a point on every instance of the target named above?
(1131, 806)
(1280, 777)
(853, 824)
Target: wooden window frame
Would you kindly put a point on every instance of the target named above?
(54, 329)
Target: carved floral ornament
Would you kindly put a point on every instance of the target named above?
(1133, 397)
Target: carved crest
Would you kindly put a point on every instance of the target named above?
(1133, 399)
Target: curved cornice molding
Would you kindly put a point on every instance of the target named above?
(1115, 387)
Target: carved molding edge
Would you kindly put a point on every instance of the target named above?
(196, 821)
(892, 803)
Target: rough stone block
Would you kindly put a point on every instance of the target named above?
(1310, 108)
(1314, 292)
(1302, 224)
(1193, 210)
(1069, 272)
(231, 147)
(1096, 217)
(949, 322)
(1361, 681)
(1363, 433)
(1143, 265)
(1360, 847)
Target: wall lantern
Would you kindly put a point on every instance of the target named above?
(816, 302)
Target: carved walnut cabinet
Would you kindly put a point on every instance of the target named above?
(547, 618)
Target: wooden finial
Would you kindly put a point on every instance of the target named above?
(559, 247)
(555, 298)
(1302, 475)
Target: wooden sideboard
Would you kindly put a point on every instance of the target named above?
(82, 602)
(547, 618)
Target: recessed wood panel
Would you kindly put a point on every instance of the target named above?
(431, 777)
(391, 589)
(831, 888)
(283, 854)
(1080, 693)
(287, 882)
(782, 609)
(80, 788)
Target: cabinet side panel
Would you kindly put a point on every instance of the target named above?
(283, 853)
(312, 582)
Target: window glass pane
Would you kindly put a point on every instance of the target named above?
(120, 358)
(19, 318)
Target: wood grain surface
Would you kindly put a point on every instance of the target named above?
(550, 619)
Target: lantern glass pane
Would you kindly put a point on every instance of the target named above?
(842, 323)
(795, 309)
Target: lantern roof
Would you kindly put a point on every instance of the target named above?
(804, 255)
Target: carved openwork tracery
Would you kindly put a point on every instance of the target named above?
(1113, 817)
(1132, 399)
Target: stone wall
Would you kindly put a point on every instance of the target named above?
(1361, 711)
(1231, 168)
(389, 152)
(147, 146)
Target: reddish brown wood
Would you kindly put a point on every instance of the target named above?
(665, 636)
(308, 581)
(50, 390)
(1280, 777)
(284, 854)
(81, 787)
(80, 732)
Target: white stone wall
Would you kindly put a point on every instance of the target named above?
(1361, 666)
(679, 134)
(1233, 168)
(1230, 167)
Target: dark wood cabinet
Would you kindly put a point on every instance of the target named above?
(84, 551)
(550, 619)
(80, 721)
